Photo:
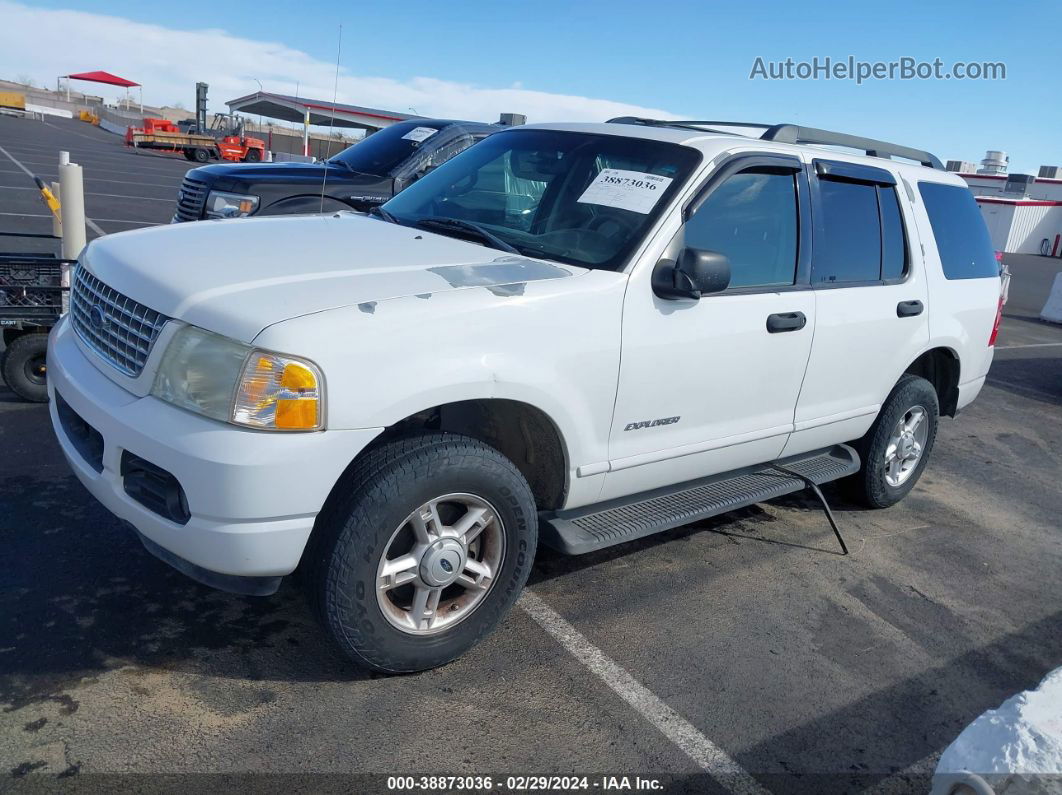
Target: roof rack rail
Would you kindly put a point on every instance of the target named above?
(794, 134)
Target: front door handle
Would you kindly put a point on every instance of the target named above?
(786, 321)
(909, 308)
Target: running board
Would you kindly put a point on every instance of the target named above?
(594, 527)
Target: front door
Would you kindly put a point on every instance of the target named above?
(711, 385)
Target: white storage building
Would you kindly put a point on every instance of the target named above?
(1022, 218)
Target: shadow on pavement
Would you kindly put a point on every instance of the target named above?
(925, 711)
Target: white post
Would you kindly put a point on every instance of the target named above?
(306, 133)
(72, 188)
(141, 100)
(67, 89)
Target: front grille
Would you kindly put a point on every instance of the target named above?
(118, 328)
(190, 200)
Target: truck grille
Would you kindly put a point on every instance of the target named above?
(190, 200)
(116, 327)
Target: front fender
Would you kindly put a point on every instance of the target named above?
(297, 205)
(552, 344)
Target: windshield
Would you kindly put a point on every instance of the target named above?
(382, 152)
(578, 198)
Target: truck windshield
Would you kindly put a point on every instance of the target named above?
(382, 152)
(578, 198)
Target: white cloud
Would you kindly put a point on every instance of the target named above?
(169, 62)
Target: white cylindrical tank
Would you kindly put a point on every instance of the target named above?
(995, 162)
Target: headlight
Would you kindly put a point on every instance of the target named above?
(230, 205)
(229, 381)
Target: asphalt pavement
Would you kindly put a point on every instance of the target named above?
(809, 670)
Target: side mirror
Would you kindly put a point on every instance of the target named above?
(698, 272)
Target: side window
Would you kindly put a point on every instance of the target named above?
(850, 248)
(448, 150)
(752, 219)
(893, 235)
(863, 236)
(962, 237)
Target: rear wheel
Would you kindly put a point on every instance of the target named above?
(253, 156)
(189, 154)
(200, 155)
(25, 369)
(423, 552)
(897, 446)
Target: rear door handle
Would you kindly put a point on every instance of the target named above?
(786, 321)
(908, 308)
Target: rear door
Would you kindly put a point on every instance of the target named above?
(870, 302)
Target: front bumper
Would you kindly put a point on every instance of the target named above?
(252, 496)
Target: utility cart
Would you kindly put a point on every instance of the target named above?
(31, 302)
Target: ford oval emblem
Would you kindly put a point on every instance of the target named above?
(97, 318)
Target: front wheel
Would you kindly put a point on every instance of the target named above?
(25, 369)
(424, 550)
(897, 446)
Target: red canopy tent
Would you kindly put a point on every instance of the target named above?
(100, 76)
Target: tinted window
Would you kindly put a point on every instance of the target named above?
(380, 153)
(547, 193)
(893, 238)
(850, 248)
(962, 237)
(752, 218)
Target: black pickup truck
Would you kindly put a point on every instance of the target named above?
(360, 177)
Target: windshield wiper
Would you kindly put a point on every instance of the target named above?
(489, 238)
(380, 212)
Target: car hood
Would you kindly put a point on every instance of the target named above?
(238, 277)
(249, 175)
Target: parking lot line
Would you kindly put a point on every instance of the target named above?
(89, 221)
(1029, 345)
(107, 195)
(712, 759)
(94, 227)
(50, 172)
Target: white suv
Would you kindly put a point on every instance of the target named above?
(584, 333)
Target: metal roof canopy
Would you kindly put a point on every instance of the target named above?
(102, 77)
(321, 112)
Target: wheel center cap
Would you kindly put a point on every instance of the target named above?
(442, 562)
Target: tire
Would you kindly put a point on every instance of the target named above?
(253, 156)
(370, 519)
(201, 155)
(189, 155)
(24, 367)
(885, 477)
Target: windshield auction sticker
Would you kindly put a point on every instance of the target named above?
(419, 134)
(627, 190)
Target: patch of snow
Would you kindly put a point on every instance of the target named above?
(1022, 737)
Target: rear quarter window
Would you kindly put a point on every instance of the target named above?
(962, 238)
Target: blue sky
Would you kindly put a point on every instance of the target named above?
(688, 58)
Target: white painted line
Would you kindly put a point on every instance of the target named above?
(105, 220)
(108, 195)
(709, 757)
(1029, 345)
(89, 221)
